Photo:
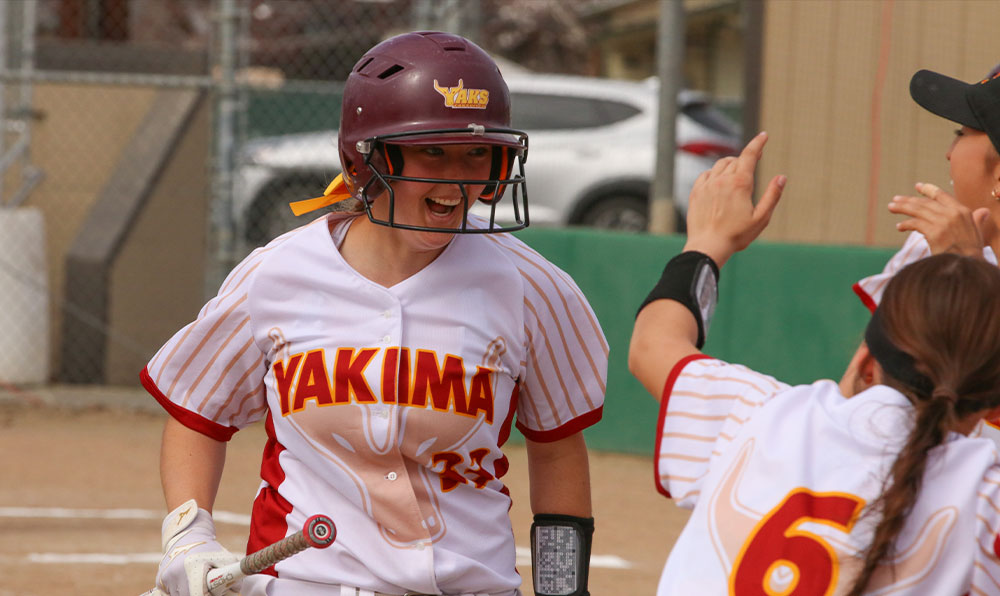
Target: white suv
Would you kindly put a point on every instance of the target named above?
(591, 156)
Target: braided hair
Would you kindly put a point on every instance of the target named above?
(942, 314)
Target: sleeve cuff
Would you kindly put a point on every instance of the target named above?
(865, 298)
(570, 428)
(190, 419)
(668, 388)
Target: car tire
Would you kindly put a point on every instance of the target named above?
(626, 213)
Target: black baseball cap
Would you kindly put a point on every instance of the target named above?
(976, 105)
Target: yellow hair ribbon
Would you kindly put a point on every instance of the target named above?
(334, 193)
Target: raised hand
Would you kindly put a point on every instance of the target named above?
(722, 218)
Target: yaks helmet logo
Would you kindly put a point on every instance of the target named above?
(461, 98)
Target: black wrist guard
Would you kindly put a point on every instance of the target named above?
(692, 279)
(560, 554)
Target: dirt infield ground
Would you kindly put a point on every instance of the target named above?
(80, 503)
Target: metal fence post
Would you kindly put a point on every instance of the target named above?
(669, 58)
(221, 236)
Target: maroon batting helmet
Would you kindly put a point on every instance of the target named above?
(429, 88)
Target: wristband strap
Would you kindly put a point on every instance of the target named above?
(560, 554)
(692, 279)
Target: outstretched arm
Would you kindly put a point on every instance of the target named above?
(722, 220)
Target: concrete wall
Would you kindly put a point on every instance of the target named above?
(77, 140)
(155, 280)
(158, 278)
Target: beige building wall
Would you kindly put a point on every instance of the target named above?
(158, 279)
(835, 100)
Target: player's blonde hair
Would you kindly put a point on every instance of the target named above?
(944, 311)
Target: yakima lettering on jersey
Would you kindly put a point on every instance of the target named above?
(425, 380)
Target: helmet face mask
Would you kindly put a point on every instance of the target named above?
(430, 89)
(495, 187)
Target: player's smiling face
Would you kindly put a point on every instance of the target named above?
(435, 205)
(974, 168)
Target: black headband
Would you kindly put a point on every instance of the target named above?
(894, 362)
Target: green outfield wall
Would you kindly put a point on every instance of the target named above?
(787, 310)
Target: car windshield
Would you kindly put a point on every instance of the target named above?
(532, 111)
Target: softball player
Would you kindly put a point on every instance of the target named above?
(937, 221)
(963, 223)
(388, 353)
(800, 489)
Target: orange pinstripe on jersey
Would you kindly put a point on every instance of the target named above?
(567, 315)
(220, 378)
(563, 341)
(195, 353)
(704, 401)
(237, 393)
(220, 352)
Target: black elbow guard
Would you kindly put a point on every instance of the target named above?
(560, 554)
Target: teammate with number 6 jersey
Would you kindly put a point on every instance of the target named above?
(389, 348)
(867, 486)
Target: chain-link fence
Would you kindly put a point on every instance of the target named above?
(140, 159)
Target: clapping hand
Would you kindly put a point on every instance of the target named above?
(947, 224)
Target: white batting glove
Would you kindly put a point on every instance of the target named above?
(190, 550)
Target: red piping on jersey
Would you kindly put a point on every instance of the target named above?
(865, 298)
(502, 465)
(190, 419)
(269, 517)
(668, 388)
(509, 419)
(570, 428)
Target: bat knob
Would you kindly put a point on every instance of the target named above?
(319, 531)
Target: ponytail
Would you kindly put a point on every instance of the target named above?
(902, 485)
(934, 337)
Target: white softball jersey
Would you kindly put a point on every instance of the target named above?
(779, 478)
(387, 408)
(870, 290)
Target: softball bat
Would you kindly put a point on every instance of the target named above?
(318, 532)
